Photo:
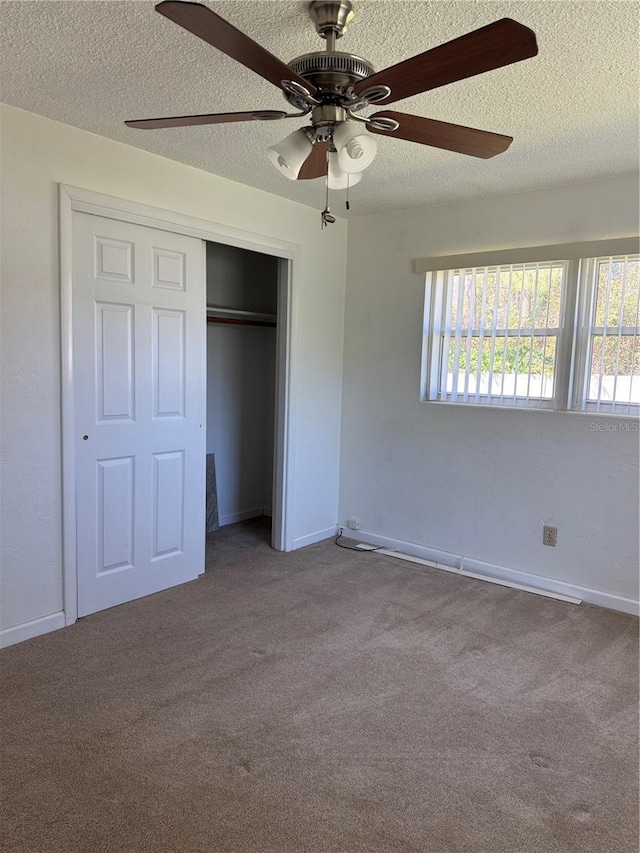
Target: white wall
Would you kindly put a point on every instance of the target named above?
(37, 154)
(480, 482)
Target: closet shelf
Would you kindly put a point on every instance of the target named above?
(219, 314)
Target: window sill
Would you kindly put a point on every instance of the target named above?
(548, 410)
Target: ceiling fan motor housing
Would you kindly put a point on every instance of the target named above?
(333, 74)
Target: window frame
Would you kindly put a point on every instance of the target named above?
(573, 342)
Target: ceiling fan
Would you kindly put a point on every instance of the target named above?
(334, 87)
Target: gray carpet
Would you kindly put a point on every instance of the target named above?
(324, 701)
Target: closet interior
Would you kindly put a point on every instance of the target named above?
(242, 308)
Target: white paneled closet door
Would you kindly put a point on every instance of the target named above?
(139, 338)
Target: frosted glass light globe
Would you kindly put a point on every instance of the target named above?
(356, 148)
(339, 180)
(289, 155)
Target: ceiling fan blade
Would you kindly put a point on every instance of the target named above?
(494, 46)
(441, 134)
(205, 24)
(212, 118)
(315, 166)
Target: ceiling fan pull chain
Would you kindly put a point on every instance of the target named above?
(326, 202)
(326, 216)
(326, 210)
(326, 191)
(346, 204)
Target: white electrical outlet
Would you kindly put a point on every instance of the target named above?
(549, 535)
(353, 523)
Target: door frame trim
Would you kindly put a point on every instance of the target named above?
(72, 199)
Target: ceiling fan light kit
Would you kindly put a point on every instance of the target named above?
(333, 87)
(289, 155)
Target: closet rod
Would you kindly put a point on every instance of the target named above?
(235, 322)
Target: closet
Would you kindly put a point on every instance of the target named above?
(242, 307)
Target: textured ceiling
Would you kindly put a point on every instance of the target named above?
(572, 110)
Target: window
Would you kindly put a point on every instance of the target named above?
(609, 336)
(544, 335)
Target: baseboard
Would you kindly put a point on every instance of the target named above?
(490, 570)
(28, 630)
(233, 517)
(312, 538)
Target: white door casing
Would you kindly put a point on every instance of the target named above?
(139, 355)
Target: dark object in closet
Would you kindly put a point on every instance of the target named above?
(212, 494)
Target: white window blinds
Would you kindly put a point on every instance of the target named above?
(610, 335)
(498, 334)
